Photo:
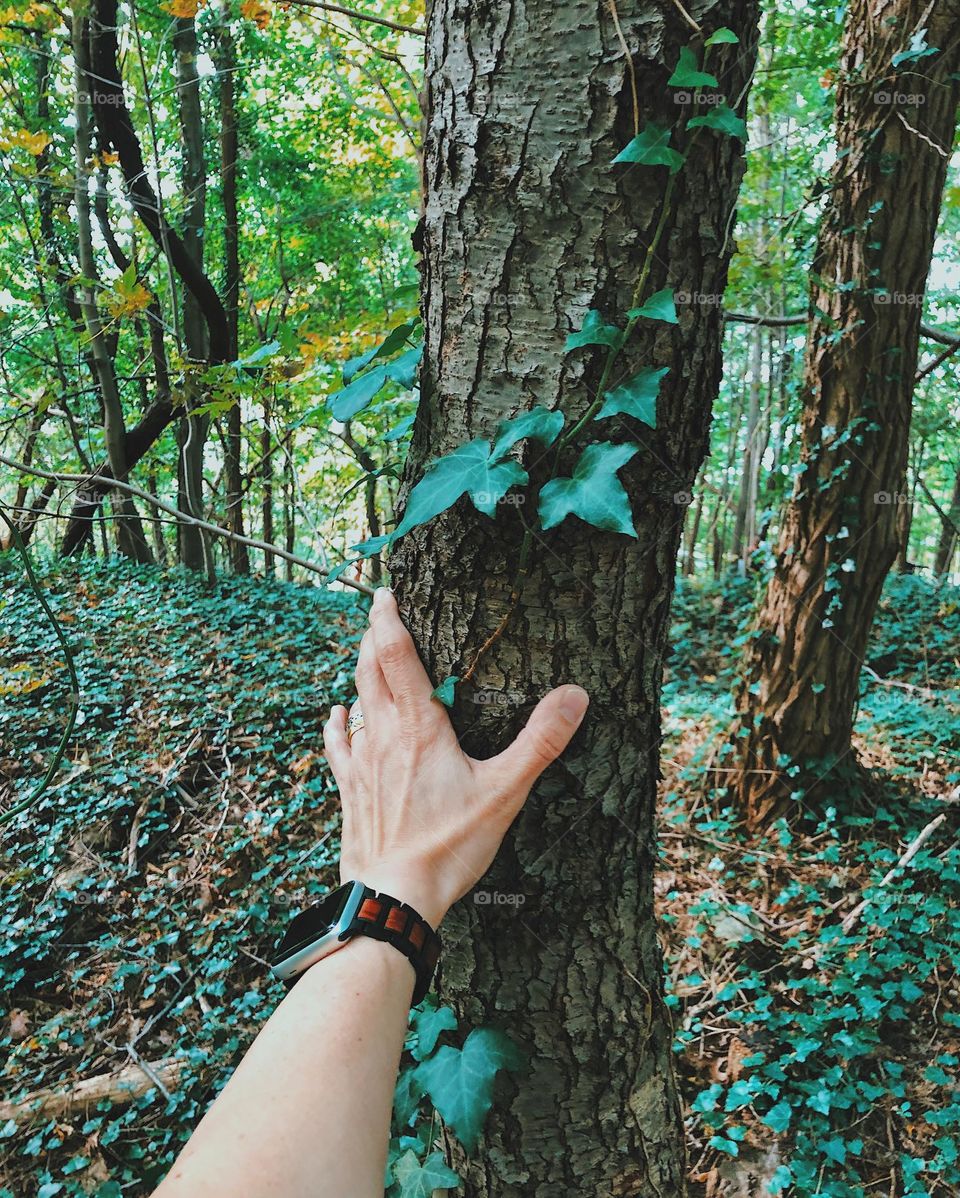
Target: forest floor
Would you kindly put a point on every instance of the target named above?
(817, 1044)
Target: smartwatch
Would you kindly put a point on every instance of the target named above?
(357, 910)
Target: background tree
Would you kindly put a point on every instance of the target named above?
(896, 115)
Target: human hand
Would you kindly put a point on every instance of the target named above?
(422, 821)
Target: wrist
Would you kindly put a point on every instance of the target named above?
(413, 890)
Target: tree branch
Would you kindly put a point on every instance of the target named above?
(205, 525)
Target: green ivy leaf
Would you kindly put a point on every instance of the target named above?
(687, 72)
(446, 691)
(594, 493)
(778, 1117)
(637, 397)
(723, 119)
(396, 339)
(403, 370)
(370, 547)
(346, 403)
(781, 1178)
(459, 1082)
(722, 35)
(418, 1180)
(406, 1099)
(401, 428)
(651, 147)
(428, 1022)
(470, 469)
(595, 332)
(539, 424)
(659, 306)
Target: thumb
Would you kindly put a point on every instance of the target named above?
(546, 734)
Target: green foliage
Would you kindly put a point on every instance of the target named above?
(459, 1081)
(687, 72)
(651, 147)
(594, 493)
(637, 397)
(850, 1041)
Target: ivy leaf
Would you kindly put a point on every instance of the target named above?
(687, 72)
(429, 1022)
(778, 1118)
(594, 493)
(336, 571)
(595, 332)
(637, 397)
(651, 147)
(403, 370)
(396, 339)
(418, 1180)
(346, 403)
(445, 692)
(353, 366)
(469, 469)
(659, 306)
(539, 424)
(722, 35)
(459, 1082)
(722, 118)
(401, 428)
(370, 547)
(406, 1099)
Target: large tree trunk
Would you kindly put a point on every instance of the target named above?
(527, 225)
(839, 534)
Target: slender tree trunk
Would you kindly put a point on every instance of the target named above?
(196, 552)
(946, 546)
(527, 225)
(839, 535)
(266, 476)
(229, 147)
(131, 540)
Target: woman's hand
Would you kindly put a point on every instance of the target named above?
(422, 821)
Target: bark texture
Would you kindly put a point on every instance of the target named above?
(839, 535)
(526, 227)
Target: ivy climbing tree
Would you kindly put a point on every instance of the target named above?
(896, 118)
(565, 403)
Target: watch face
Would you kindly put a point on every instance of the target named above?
(313, 923)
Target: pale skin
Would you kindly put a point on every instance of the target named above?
(307, 1112)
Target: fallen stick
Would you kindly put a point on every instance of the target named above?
(912, 849)
(121, 1087)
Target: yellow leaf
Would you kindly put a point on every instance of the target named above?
(23, 139)
(182, 8)
(128, 298)
(257, 12)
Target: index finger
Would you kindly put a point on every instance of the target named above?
(396, 653)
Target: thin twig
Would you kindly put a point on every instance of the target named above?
(213, 529)
(913, 848)
(413, 30)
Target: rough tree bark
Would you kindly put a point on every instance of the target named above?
(526, 227)
(839, 533)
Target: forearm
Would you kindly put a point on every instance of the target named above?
(307, 1112)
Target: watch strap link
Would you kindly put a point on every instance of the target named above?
(385, 918)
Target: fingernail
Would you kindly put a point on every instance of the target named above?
(380, 594)
(574, 704)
